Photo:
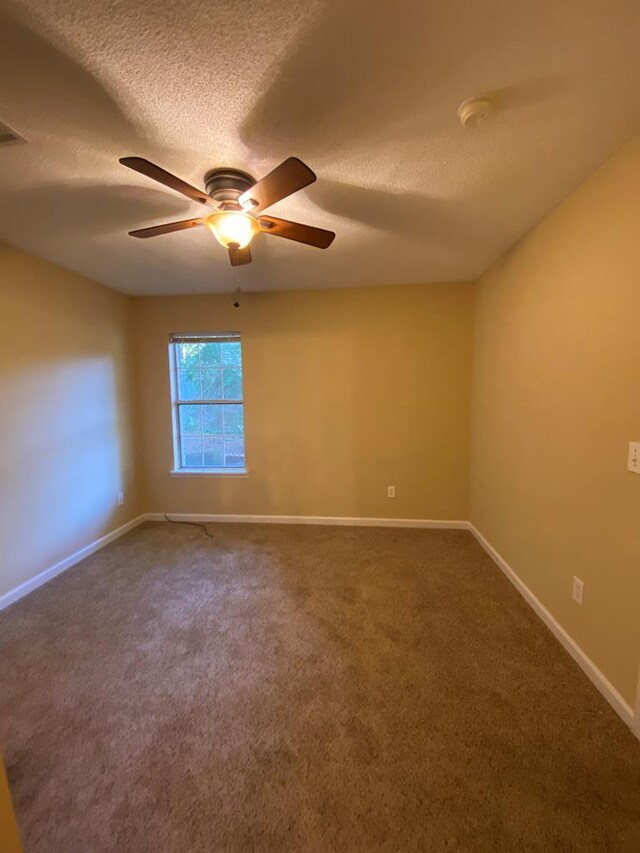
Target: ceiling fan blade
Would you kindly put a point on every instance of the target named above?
(240, 256)
(296, 231)
(285, 179)
(139, 164)
(167, 228)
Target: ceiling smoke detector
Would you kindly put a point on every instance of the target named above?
(474, 111)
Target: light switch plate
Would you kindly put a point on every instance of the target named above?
(633, 463)
(577, 590)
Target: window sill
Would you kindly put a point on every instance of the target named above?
(209, 472)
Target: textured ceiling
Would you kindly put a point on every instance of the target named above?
(365, 92)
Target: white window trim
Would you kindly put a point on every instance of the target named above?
(209, 472)
(178, 470)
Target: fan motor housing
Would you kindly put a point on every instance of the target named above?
(227, 185)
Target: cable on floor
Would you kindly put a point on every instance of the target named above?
(192, 523)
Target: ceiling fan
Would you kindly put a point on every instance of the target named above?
(237, 200)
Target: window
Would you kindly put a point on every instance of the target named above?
(208, 410)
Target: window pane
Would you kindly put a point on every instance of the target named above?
(211, 384)
(233, 452)
(232, 382)
(213, 451)
(233, 420)
(212, 436)
(191, 451)
(189, 420)
(210, 355)
(231, 354)
(189, 386)
(188, 355)
(212, 419)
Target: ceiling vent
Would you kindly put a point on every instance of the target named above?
(9, 136)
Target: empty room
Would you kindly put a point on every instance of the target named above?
(320, 431)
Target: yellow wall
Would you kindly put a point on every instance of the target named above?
(556, 400)
(346, 392)
(9, 836)
(66, 431)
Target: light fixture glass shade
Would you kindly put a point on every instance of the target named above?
(232, 229)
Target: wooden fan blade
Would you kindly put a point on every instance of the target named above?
(240, 256)
(287, 178)
(167, 228)
(296, 231)
(144, 167)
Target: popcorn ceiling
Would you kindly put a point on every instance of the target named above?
(366, 93)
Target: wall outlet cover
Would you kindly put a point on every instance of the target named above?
(577, 590)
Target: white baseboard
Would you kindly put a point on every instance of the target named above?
(33, 583)
(617, 702)
(433, 524)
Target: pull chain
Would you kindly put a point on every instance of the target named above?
(236, 304)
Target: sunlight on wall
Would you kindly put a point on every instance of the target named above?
(65, 431)
(65, 443)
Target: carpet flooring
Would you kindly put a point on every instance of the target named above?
(298, 688)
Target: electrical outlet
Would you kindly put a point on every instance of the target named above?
(633, 463)
(120, 498)
(577, 590)
(391, 491)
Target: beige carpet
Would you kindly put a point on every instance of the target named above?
(282, 688)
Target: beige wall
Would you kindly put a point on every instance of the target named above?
(346, 392)
(66, 445)
(556, 400)
(9, 836)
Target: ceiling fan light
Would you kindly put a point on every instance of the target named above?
(232, 229)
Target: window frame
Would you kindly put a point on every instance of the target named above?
(175, 339)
